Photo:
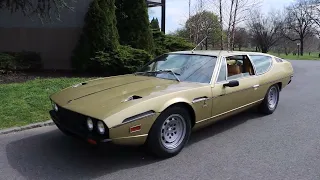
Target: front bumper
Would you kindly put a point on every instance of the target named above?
(78, 127)
(290, 79)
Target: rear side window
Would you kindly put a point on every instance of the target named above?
(261, 63)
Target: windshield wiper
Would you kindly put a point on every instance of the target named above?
(161, 71)
(170, 71)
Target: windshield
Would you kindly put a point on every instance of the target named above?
(181, 67)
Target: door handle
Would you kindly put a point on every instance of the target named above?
(256, 86)
(196, 100)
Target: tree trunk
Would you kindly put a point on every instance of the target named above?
(206, 43)
(234, 23)
(259, 49)
(264, 50)
(189, 9)
(229, 26)
(301, 47)
(221, 26)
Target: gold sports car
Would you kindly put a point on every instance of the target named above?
(161, 104)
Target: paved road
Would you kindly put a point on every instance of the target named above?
(285, 145)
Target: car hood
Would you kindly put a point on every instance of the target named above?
(102, 97)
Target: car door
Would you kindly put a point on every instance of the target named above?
(227, 99)
(262, 64)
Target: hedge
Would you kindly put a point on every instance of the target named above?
(20, 61)
(123, 61)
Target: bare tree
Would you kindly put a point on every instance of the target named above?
(197, 23)
(299, 22)
(234, 24)
(232, 13)
(241, 38)
(189, 8)
(315, 5)
(44, 9)
(311, 44)
(229, 26)
(221, 24)
(285, 46)
(265, 30)
(315, 15)
(202, 25)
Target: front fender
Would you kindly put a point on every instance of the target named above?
(121, 134)
(174, 101)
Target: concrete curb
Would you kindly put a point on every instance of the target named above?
(23, 128)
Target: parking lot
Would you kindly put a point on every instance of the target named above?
(284, 145)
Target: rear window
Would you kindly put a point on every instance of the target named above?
(261, 63)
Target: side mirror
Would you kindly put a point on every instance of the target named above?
(233, 83)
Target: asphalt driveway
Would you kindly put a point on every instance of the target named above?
(285, 145)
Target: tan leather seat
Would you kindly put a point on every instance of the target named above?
(233, 70)
(248, 68)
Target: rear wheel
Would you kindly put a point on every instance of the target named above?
(271, 100)
(170, 132)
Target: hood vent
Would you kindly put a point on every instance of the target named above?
(80, 84)
(131, 98)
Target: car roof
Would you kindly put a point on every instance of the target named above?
(219, 53)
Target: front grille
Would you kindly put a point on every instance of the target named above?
(72, 120)
(78, 124)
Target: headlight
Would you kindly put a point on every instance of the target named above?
(55, 107)
(100, 127)
(89, 124)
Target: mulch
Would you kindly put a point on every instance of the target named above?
(15, 78)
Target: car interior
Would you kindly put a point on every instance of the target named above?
(239, 66)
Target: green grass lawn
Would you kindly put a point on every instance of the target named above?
(28, 102)
(306, 56)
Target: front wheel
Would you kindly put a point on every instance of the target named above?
(170, 132)
(271, 100)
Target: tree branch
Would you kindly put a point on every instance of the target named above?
(291, 39)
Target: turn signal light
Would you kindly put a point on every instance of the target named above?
(90, 141)
(135, 128)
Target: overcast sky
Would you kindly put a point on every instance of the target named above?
(177, 11)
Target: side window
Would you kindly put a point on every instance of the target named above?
(223, 71)
(261, 63)
(239, 67)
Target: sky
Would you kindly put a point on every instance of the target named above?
(178, 11)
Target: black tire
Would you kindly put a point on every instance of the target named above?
(265, 107)
(155, 137)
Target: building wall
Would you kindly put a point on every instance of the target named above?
(54, 41)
